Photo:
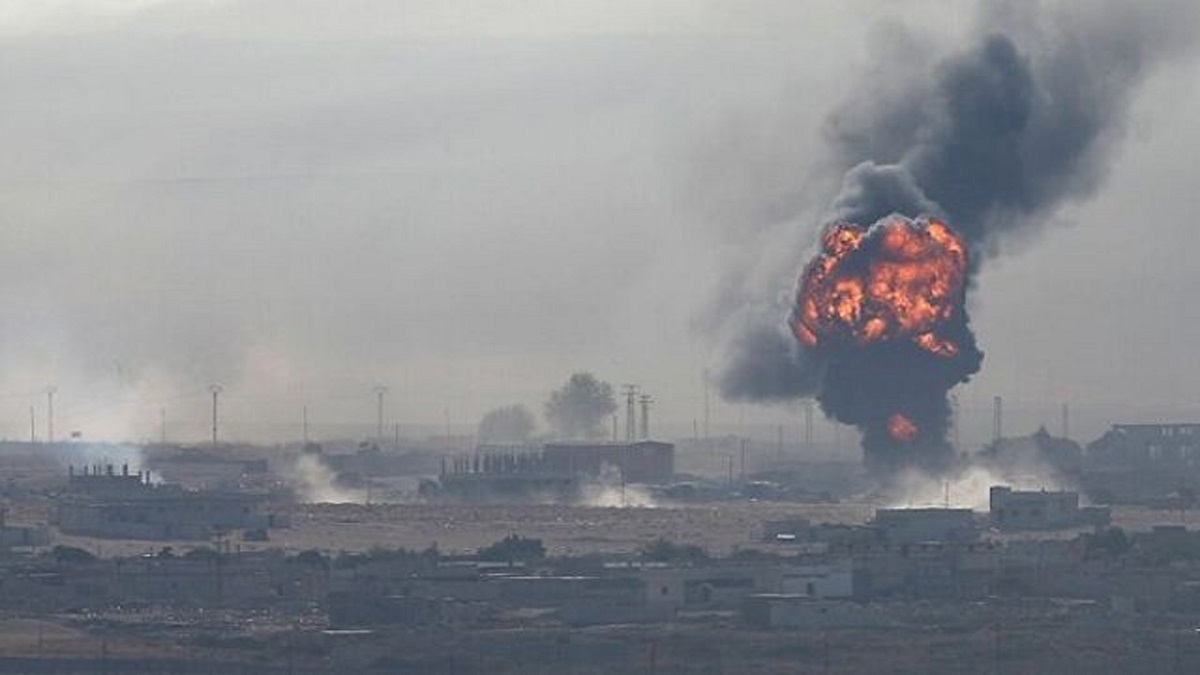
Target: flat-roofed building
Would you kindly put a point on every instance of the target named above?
(1041, 509)
(638, 462)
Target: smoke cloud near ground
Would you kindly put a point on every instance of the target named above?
(316, 483)
(995, 138)
(968, 487)
(608, 490)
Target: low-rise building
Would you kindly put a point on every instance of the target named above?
(17, 536)
(1041, 509)
(906, 526)
(783, 610)
(104, 503)
(638, 462)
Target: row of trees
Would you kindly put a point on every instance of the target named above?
(578, 409)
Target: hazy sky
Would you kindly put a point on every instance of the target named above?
(466, 201)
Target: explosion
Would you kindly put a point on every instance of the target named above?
(901, 428)
(995, 138)
(884, 306)
(905, 285)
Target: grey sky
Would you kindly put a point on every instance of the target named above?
(467, 201)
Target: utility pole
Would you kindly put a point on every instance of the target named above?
(954, 422)
(50, 389)
(631, 391)
(215, 389)
(304, 424)
(707, 409)
(32, 426)
(997, 418)
(380, 392)
(645, 401)
(825, 651)
(808, 419)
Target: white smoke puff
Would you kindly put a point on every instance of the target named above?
(970, 487)
(609, 490)
(314, 482)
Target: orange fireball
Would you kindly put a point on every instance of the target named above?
(901, 428)
(900, 279)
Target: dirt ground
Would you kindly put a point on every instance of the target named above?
(720, 528)
(715, 647)
(563, 529)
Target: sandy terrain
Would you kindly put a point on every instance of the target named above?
(564, 529)
(720, 528)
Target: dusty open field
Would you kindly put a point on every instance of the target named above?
(720, 527)
(24, 635)
(564, 529)
(712, 646)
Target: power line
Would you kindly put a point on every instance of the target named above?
(997, 418)
(216, 390)
(707, 409)
(631, 391)
(646, 400)
(50, 389)
(380, 391)
(808, 423)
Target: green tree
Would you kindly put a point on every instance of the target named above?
(72, 555)
(312, 558)
(661, 550)
(201, 553)
(579, 408)
(510, 424)
(513, 548)
(1109, 543)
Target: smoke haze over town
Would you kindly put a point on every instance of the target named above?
(468, 204)
(599, 336)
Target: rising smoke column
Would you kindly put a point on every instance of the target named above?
(990, 140)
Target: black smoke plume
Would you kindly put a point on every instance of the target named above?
(993, 139)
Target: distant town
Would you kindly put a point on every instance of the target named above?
(409, 557)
